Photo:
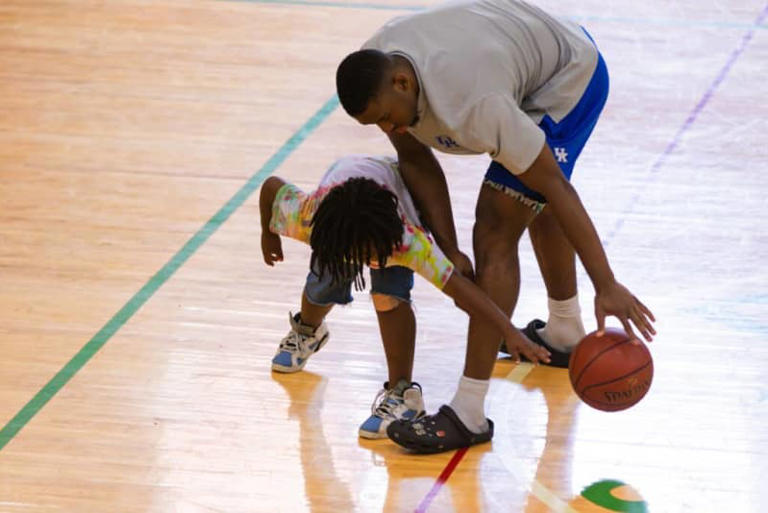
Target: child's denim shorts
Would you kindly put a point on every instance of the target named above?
(395, 281)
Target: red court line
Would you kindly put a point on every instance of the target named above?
(441, 479)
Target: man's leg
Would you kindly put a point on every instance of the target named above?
(499, 224)
(556, 257)
(500, 221)
(564, 328)
(557, 262)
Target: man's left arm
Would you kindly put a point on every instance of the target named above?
(612, 298)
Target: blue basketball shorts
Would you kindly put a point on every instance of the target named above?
(566, 139)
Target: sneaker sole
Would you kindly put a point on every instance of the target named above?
(374, 435)
(370, 435)
(289, 370)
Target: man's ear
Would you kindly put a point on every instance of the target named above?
(401, 81)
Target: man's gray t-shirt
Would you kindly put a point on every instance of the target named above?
(488, 72)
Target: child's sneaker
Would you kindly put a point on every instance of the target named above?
(403, 402)
(298, 345)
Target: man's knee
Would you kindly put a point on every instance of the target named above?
(385, 303)
(498, 215)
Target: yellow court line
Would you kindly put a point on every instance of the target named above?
(541, 492)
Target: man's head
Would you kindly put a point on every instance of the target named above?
(377, 88)
(356, 224)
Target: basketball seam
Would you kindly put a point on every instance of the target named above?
(583, 370)
(612, 381)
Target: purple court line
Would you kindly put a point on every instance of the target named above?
(690, 120)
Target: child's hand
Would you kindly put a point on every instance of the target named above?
(462, 264)
(518, 343)
(271, 248)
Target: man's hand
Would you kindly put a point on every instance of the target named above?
(616, 300)
(271, 248)
(517, 343)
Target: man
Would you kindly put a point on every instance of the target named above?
(504, 78)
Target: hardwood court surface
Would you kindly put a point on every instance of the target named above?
(137, 320)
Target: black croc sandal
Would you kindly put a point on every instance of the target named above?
(440, 432)
(556, 358)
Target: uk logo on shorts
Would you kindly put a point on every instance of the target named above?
(561, 154)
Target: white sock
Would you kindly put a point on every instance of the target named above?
(469, 403)
(564, 327)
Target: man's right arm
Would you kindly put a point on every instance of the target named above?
(425, 180)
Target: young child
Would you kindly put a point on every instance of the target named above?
(362, 215)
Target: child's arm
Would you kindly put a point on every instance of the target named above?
(470, 298)
(271, 246)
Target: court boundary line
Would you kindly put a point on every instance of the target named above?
(84, 355)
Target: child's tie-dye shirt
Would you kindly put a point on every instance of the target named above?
(293, 209)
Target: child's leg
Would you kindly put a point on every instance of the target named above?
(400, 399)
(308, 332)
(319, 297)
(312, 314)
(397, 326)
(391, 293)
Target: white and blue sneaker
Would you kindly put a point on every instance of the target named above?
(403, 401)
(298, 345)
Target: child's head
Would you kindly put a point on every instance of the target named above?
(357, 223)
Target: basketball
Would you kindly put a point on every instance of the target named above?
(610, 373)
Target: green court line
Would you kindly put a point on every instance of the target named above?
(603, 19)
(147, 291)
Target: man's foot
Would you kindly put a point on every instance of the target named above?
(298, 345)
(440, 432)
(557, 358)
(403, 401)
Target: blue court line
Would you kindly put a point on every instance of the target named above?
(148, 290)
(671, 22)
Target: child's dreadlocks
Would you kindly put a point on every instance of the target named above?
(356, 221)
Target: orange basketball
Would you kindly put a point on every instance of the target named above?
(610, 373)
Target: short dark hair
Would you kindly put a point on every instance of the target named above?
(356, 221)
(359, 78)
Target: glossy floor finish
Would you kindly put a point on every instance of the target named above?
(137, 320)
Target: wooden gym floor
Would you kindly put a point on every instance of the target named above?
(137, 320)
